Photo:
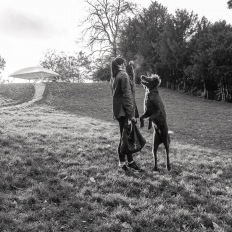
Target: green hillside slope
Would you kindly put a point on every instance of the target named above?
(59, 166)
(16, 93)
(193, 120)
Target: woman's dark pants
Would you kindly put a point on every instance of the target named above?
(122, 157)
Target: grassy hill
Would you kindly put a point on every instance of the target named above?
(59, 166)
(194, 120)
(12, 94)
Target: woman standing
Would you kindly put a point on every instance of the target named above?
(123, 107)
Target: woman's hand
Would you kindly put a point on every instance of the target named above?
(132, 120)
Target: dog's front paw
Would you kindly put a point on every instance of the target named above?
(149, 124)
(141, 123)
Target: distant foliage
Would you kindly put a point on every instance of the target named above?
(102, 73)
(140, 36)
(190, 54)
(2, 66)
(229, 3)
(71, 68)
(2, 63)
(101, 70)
(212, 60)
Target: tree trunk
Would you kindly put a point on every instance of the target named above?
(115, 50)
(205, 93)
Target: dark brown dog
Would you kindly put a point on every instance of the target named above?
(154, 110)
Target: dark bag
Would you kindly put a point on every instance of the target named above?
(132, 140)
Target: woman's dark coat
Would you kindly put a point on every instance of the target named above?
(123, 103)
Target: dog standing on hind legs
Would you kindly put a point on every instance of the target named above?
(154, 110)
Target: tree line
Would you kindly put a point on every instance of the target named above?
(190, 54)
(2, 67)
(71, 68)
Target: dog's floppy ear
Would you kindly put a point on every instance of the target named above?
(143, 82)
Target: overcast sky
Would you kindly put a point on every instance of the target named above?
(30, 27)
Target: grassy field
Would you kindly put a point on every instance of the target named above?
(59, 166)
(194, 120)
(12, 94)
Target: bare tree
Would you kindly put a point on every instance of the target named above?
(104, 20)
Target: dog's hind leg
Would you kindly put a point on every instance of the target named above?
(156, 143)
(167, 152)
(166, 143)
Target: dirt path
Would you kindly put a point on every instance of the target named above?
(39, 90)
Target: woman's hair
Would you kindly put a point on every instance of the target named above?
(115, 65)
(119, 60)
(129, 70)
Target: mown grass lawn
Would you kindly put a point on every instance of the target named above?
(59, 166)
